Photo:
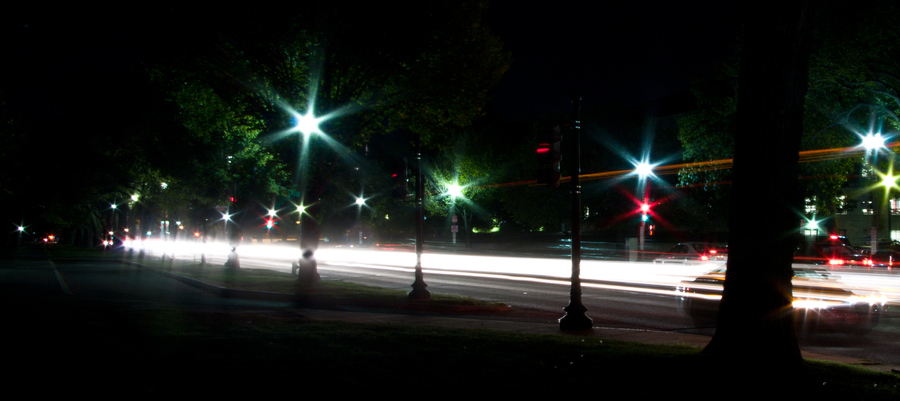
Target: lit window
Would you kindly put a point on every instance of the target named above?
(841, 207)
(867, 207)
(810, 205)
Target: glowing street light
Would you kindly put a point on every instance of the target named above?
(873, 141)
(455, 190)
(643, 169)
(888, 182)
(20, 228)
(308, 123)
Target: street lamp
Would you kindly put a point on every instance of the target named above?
(360, 202)
(20, 228)
(888, 182)
(270, 222)
(307, 124)
(112, 223)
(575, 318)
(872, 143)
(455, 191)
(643, 170)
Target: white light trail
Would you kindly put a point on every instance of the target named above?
(616, 275)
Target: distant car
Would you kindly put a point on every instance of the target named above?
(838, 255)
(885, 259)
(694, 252)
(821, 303)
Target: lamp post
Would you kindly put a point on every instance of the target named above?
(112, 225)
(454, 190)
(419, 292)
(888, 182)
(308, 125)
(270, 223)
(872, 144)
(360, 202)
(575, 318)
(643, 170)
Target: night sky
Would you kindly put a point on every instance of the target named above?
(626, 53)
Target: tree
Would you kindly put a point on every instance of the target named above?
(755, 321)
(424, 68)
(457, 179)
(853, 89)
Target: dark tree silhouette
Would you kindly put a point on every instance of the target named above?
(755, 315)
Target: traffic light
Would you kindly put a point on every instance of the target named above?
(548, 156)
(400, 179)
(645, 208)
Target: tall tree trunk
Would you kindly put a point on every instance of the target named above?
(755, 321)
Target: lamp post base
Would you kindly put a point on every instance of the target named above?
(419, 292)
(575, 319)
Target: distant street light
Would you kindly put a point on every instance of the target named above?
(307, 124)
(873, 142)
(888, 182)
(643, 170)
(20, 229)
(454, 190)
(360, 202)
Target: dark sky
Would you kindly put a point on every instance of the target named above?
(626, 52)
(618, 52)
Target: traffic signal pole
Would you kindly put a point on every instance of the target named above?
(575, 318)
(419, 292)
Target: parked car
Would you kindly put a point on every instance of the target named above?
(694, 252)
(821, 303)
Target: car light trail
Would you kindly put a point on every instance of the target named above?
(642, 277)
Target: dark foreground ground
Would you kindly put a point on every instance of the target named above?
(60, 345)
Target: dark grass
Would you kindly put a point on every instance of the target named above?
(72, 347)
(157, 351)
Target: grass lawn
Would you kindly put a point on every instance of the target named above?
(150, 350)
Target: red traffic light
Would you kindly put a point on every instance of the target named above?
(548, 156)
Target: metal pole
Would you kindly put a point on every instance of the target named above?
(419, 292)
(575, 318)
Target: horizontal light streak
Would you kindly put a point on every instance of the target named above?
(614, 275)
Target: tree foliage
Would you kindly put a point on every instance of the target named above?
(373, 69)
(853, 90)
